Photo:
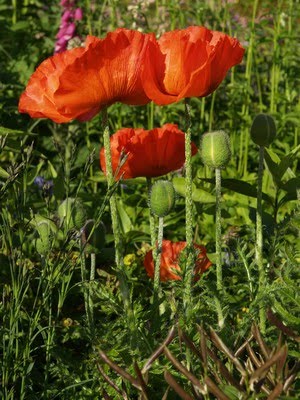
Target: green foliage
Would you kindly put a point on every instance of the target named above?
(61, 306)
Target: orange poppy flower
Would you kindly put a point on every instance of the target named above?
(170, 261)
(78, 83)
(149, 153)
(191, 62)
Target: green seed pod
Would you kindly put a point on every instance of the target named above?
(162, 198)
(215, 149)
(72, 213)
(263, 130)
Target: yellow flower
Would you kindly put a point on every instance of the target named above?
(129, 259)
(67, 322)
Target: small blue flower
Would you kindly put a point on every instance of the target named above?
(39, 181)
(45, 186)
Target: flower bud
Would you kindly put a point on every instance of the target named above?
(263, 130)
(162, 198)
(72, 213)
(215, 149)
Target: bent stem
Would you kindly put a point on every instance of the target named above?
(218, 230)
(259, 237)
(188, 210)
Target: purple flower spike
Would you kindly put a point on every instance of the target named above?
(78, 14)
(67, 29)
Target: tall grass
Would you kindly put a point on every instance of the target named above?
(63, 304)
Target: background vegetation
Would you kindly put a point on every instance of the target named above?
(51, 347)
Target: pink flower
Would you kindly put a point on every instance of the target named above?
(67, 29)
(78, 14)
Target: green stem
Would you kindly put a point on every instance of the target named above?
(151, 221)
(85, 289)
(115, 222)
(158, 256)
(259, 237)
(157, 250)
(91, 287)
(93, 266)
(188, 209)
(110, 182)
(218, 230)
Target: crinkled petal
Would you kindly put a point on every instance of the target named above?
(108, 72)
(150, 153)
(37, 100)
(188, 63)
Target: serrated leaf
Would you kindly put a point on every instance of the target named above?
(286, 316)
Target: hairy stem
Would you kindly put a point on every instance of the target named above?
(188, 210)
(218, 230)
(114, 218)
(259, 237)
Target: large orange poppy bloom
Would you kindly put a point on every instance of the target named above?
(170, 258)
(191, 62)
(147, 153)
(77, 83)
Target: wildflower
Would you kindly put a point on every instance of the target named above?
(67, 29)
(67, 322)
(191, 62)
(170, 258)
(78, 83)
(45, 186)
(129, 259)
(150, 153)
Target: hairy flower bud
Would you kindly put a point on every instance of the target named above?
(215, 149)
(162, 198)
(263, 130)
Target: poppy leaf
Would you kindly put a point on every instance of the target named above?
(288, 197)
(287, 161)
(199, 195)
(291, 185)
(272, 160)
(241, 187)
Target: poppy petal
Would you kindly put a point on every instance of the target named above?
(150, 153)
(170, 258)
(37, 100)
(188, 63)
(107, 73)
